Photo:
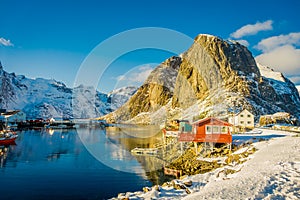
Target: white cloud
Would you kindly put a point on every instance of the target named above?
(271, 43)
(285, 59)
(5, 42)
(252, 29)
(243, 42)
(281, 53)
(296, 80)
(137, 75)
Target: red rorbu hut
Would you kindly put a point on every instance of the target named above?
(208, 130)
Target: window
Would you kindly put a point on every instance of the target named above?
(248, 116)
(208, 129)
(249, 122)
(242, 115)
(224, 129)
(241, 122)
(216, 129)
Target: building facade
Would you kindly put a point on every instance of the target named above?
(208, 130)
(242, 120)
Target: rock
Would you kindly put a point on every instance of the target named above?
(236, 157)
(122, 196)
(146, 189)
(229, 159)
(177, 185)
(188, 183)
(226, 151)
(188, 191)
(183, 177)
(157, 188)
(166, 184)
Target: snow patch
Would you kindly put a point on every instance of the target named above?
(298, 88)
(270, 73)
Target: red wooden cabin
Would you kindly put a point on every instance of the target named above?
(208, 130)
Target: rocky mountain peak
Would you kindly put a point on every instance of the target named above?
(227, 53)
(210, 78)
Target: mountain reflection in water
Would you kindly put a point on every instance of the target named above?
(64, 164)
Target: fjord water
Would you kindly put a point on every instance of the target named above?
(55, 164)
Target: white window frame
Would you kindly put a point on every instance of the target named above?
(206, 131)
(217, 131)
(224, 131)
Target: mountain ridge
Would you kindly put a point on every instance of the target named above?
(212, 77)
(45, 98)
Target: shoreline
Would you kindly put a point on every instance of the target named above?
(262, 175)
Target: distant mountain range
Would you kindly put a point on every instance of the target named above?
(43, 98)
(212, 78)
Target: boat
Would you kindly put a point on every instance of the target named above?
(8, 137)
(144, 151)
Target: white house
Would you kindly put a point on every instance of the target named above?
(242, 120)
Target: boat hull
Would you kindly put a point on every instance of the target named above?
(10, 140)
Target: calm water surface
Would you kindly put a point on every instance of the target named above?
(56, 165)
(73, 164)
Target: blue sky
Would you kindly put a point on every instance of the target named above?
(51, 39)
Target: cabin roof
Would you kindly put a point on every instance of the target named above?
(238, 113)
(213, 121)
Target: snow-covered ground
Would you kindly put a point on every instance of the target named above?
(272, 172)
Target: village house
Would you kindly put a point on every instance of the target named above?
(211, 130)
(242, 121)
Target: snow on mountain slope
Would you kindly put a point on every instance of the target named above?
(42, 98)
(270, 73)
(298, 88)
(211, 78)
(120, 96)
(276, 79)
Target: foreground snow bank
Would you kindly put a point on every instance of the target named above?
(273, 172)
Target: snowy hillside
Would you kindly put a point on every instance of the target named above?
(272, 172)
(276, 79)
(120, 96)
(270, 73)
(298, 88)
(42, 98)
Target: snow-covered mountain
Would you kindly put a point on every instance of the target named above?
(42, 98)
(119, 96)
(278, 81)
(212, 78)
